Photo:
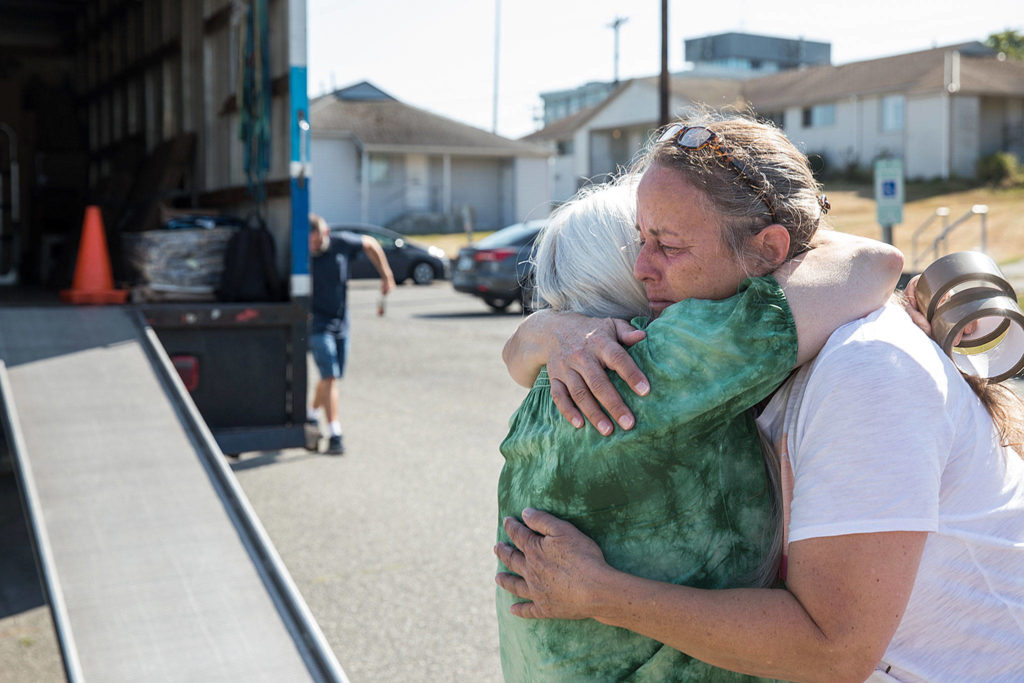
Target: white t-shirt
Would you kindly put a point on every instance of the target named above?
(883, 434)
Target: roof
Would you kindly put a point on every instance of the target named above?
(387, 125)
(991, 76)
(563, 127)
(716, 92)
(911, 73)
(981, 73)
(363, 90)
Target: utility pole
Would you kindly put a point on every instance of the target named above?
(952, 82)
(497, 53)
(663, 78)
(615, 25)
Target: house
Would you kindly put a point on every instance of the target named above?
(940, 110)
(600, 140)
(378, 160)
(726, 55)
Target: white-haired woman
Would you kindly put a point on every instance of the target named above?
(684, 497)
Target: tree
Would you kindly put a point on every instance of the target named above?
(1010, 42)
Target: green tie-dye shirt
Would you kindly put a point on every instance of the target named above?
(682, 497)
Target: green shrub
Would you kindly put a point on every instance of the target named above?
(1002, 169)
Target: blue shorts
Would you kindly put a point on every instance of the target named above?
(329, 353)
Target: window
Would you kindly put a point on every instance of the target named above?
(380, 169)
(819, 115)
(565, 147)
(733, 63)
(892, 113)
(385, 241)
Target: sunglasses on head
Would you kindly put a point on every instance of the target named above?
(696, 138)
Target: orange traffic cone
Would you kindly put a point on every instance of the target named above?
(93, 282)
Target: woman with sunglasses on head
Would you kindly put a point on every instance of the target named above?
(684, 496)
(903, 501)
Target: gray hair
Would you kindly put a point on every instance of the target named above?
(584, 257)
(780, 182)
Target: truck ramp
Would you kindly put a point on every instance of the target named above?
(155, 567)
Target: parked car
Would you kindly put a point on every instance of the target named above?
(498, 268)
(408, 260)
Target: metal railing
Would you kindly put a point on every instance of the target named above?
(941, 212)
(941, 243)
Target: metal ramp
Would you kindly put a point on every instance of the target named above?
(155, 567)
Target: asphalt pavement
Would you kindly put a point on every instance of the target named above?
(391, 543)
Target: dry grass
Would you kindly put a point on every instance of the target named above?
(853, 211)
(451, 243)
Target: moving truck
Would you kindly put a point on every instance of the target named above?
(163, 111)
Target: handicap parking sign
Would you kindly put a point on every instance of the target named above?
(889, 191)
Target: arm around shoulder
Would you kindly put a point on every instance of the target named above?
(523, 353)
(578, 351)
(840, 279)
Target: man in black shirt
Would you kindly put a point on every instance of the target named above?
(330, 257)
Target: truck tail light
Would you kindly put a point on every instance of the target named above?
(188, 370)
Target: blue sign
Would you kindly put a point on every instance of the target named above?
(889, 191)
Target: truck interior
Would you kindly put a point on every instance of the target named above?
(175, 119)
(44, 149)
(136, 106)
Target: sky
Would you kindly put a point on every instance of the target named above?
(439, 55)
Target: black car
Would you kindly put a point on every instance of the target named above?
(498, 268)
(422, 263)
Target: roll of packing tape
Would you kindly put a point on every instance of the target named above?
(955, 273)
(967, 291)
(995, 349)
